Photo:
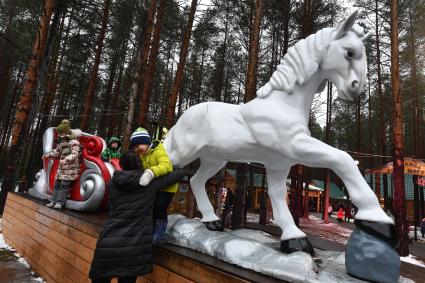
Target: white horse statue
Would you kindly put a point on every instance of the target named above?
(272, 129)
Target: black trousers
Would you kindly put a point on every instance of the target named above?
(120, 280)
(162, 201)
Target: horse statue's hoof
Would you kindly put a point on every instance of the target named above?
(371, 253)
(297, 245)
(215, 225)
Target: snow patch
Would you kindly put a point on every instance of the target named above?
(258, 251)
(3, 244)
(413, 260)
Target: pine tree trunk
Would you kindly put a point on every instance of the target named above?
(5, 60)
(306, 27)
(7, 129)
(52, 49)
(254, 44)
(88, 99)
(223, 58)
(128, 126)
(327, 181)
(382, 139)
(398, 154)
(239, 198)
(306, 202)
(381, 102)
(201, 73)
(150, 71)
(370, 120)
(102, 127)
(25, 100)
(170, 116)
(286, 15)
(417, 138)
(358, 124)
(110, 120)
(136, 85)
(144, 55)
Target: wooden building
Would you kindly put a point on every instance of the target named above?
(414, 181)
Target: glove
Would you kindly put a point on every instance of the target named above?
(146, 178)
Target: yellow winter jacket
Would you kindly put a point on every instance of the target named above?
(158, 161)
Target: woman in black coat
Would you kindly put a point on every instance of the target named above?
(124, 247)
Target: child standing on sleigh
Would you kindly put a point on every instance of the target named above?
(68, 153)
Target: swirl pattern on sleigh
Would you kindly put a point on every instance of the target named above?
(87, 193)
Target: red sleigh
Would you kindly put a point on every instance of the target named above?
(89, 191)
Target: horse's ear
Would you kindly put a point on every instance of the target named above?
(346, 25)
(367, 36)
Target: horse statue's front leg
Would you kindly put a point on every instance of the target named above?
(314, 153)
(292, 239)
(373, 242)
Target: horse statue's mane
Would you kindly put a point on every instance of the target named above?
(302, 60)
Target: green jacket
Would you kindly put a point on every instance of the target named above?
(110, 153)
(158, 161)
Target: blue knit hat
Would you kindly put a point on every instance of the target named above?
(140, 136)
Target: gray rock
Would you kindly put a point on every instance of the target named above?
(371, 258)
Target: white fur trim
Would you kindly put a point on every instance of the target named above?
(77, 132)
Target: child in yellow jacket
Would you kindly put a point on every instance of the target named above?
(155, 160)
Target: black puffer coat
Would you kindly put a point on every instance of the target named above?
(124, 247)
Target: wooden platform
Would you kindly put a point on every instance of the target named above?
(60, 245)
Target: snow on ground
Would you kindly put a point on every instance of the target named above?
(316, 226)
(20, 259)
(413, 260)
(335, 232)
(260, 252)
(419, 235)
(331, 231)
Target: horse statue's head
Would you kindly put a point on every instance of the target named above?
(338, 53)
(345, 61)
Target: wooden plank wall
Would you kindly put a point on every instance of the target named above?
(57, 246)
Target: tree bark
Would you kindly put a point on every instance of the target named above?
(150, 71)
(398, 158)
(88, 99)
(238, 212)
(5, 60)
(417, 137)
(381, 102)
(223, 58)
(327, 181)
(297, 172)
(25, 100)
(137, 81)
(6, 130)
(286, 15)
(180, 67)
(144, 55)
(358, 124)
(254, 44)
(306, 200)
(110, 121)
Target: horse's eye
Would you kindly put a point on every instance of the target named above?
(350, 53)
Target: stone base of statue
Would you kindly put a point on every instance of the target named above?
(371, 253)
